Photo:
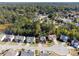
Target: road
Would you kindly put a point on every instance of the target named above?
(55, 48)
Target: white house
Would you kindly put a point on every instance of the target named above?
(43, 39)
(53, 38)
(9, 38)
(19, 39)
(30, 39)
(66, 20)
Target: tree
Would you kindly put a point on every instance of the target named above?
(22, 25)
(37, 28)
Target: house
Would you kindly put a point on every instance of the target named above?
(2, 36)
(64, 38)
(66, 20)
(75, 43)
(11, 53)
(42, 39)
(9, 38)
(27, 53)
(77, 24)
(76, 16)
(30, 39)
(52, 37)
(19, 39)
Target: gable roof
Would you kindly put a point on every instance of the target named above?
(75, 43)
(30, 39)
(77, 24)
(11, 37)
(50, 37)
(42, 38)
(64, 38)
(20, 37)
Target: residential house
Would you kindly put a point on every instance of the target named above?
(75, 43)
(42, 39)
(77, 24)
(9, 38)
(76, 16)
(2, 36)
(66, 20)
(53, 38)
(19, 39)
(64, 38)
(30, 39)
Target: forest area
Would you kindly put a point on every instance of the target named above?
(22, 19)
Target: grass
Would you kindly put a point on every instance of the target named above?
(33, 44)
(48, 44)
(11, 43)
(2, 43)
(23, 44)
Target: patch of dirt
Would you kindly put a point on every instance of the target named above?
(73, 52)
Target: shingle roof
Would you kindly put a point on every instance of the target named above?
(30, 39)
(42, 38)
(20, 37)
(11, 37)
(77, 24)
(64, 38)
(51, 37)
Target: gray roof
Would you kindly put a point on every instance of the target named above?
(9, 36)
(30, 39)
(42, 38)
(75, 43)
(19, 37)
(67, 20)
(64, 38)
(50, 37)
(77, 24)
